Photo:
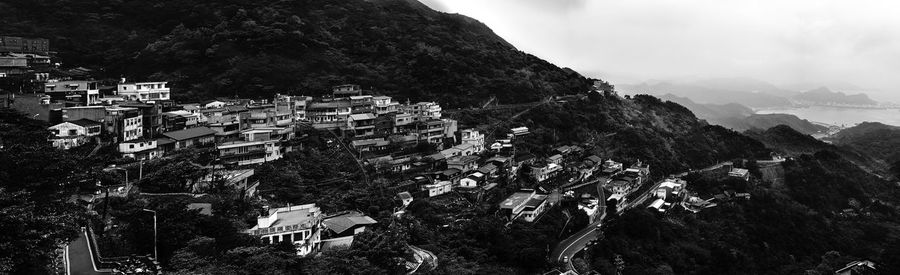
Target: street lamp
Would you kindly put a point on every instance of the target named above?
(155, 251)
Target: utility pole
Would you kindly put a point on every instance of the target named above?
(155, 241)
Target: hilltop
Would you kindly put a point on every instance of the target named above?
(259, 48)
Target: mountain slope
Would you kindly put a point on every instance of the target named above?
(740, 118)
(873, 139)
(258, 48)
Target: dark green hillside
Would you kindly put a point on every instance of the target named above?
(258, 48)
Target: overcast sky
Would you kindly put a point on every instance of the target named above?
(629, 41)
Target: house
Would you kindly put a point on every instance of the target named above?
(74, 92)
(238, 180)
(526, 203)
(739, 173)
(519, 131)
(489, 170)
(126, 122)
(474, 138)
(191, 137)
(405, 197)
(860, 267)
(299, 225)
(361, 125)
(542, 172)
(670, 188)
(438, 188)
(346, 224)
(611, 167)
(452, 175)
(474, 180)
(140, 149)
(212, 104)
(463, 163)
(658, 205)
(249, 152)
(74, 133)
(144, 91)
(555, 159)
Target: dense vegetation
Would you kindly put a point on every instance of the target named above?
(258, 48)
(36, 182)
(829, 213)
(874, 139)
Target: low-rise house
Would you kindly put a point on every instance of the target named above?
(74, 133)
(658, 204)
(474, 138)
(526, 203)
(463, 163)
(346, 224)
(474, 180)
(73, 92)
(238, 180)
(670, 189)
(300, 225)
(140, 149)
(489, 170)
(611, 167)
(212, 104)
(405, 198)
(555, 159)
(191, 137)
(739, 173)
(542, 172)
(438, 188)
(860, 267)
(144, 91)
(249, 152)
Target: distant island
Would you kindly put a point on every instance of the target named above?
(826, 97)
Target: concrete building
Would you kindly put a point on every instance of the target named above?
(192, 137)
(140, 149)
(300, 225)
(144, 91)
(473, 137)
(15, 44)
(75, 133)
(73, 92)
(525, 203)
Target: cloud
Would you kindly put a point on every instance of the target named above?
(775, 41)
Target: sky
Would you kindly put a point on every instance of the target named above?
(816, 42)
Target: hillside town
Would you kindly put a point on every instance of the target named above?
(434, 156)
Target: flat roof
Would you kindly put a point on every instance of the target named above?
(515, 199)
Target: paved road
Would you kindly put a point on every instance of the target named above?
(572, 245)
(78, 257)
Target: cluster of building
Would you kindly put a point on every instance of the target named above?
(309, 229)
(24, 57)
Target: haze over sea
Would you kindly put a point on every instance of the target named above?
(840, 116)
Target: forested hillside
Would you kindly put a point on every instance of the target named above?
(258, 48)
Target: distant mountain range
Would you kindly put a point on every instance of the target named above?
(827, 97)
(746, 91)
(741, 118)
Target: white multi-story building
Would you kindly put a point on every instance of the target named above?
(423, 111)
(144, 91)
(473, 137)
(384, 105)
(300, 225)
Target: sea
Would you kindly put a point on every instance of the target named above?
(838, 116)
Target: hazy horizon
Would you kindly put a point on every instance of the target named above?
(819, 43)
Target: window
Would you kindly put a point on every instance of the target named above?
(73, 132)
(131, 146)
